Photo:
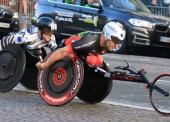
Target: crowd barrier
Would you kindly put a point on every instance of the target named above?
(164, 11)
(24, 8)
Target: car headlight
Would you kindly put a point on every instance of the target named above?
(140, 23)
(15, 15)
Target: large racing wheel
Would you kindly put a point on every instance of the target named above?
(12, 66)
(60, 83)
(95, 87)
(29, 79)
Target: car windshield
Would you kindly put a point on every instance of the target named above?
(136, 5)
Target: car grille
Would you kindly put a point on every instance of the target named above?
(5, 15)
(161, 28)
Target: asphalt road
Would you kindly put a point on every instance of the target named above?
(17, 106)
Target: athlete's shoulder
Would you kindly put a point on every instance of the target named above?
(31, 34)
(80, 34)
(88, 33)
(32, 29)
(93, 33)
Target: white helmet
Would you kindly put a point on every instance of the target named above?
(114, 29)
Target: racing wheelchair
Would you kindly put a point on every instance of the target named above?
(72, 76)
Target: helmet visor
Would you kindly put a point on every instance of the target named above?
(115, 40)
(47, 30)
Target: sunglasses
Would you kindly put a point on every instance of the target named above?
(115, 40)
(47, 34)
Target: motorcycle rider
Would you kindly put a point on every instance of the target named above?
(89, 44)
(34, 38)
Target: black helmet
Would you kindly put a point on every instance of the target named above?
(46, 24)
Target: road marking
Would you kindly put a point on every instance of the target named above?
(128, 105)
(125, 105)
(165, 81)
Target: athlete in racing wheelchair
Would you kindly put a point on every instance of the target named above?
(69, 71)
(19, 52)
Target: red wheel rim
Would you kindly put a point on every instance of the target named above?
(59, 76)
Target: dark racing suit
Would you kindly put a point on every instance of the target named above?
(29, 38)
(87, 44)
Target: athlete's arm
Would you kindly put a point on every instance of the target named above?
(11, 39)
(57, 55)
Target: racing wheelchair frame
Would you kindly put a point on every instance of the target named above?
(71, 77)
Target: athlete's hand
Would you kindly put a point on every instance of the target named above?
(40, 59)
(41, 66)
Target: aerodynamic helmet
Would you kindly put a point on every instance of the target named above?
(46, 24)
(114, 31)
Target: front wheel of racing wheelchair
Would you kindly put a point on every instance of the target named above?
(71, 77)
(29, 79)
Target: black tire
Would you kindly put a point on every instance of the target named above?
(60, 83)
(95, 87)
(12, 61)
(160, 102)
(29, 79)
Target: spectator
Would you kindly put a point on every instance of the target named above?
(160, 7)
(92, 3)
(157, 7)
(12, 2)
(155, 3)
(70, 1)
(25, 6)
